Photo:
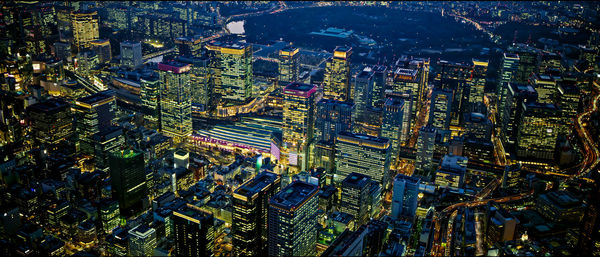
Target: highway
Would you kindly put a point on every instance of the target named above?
(592, 156)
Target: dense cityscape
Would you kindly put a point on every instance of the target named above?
(299, 128)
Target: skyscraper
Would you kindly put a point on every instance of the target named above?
(379, 84)
(131, 54)
(189, 46)
(105, 143)
(128, 180)
(250, 205)
(332, 117)
(232, 68)
(175, 100)
(298, 122)
(362, 93)
(362, 154)
(405, 196)
(512, 107)
(288, 65)
(393, 123)
(478, 125)
(440, 110)
(93, 114)
(51, 122)
(545, 86)
(150, 95)
(538, 132)
(508, 73)
(425, 147)
(529, 59)
(477, 86)
(337, 75)
(194, 231)
(355, 197)
(142, 241)
(201, 83)
(85, 28)
(102, 48)
(293, 220)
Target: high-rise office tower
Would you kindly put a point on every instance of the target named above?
(232, 69)
(425, 147)
(142, 241)
(508, 73)
(478, 125)
(332, 117)
(109, 214)
(568, 100)
(440, 110)
(102, 48)
(51, 122)
(293, 220)
(107, 142)
(250, 205)
(55, 71)
(289, 66)
(545, 86)
(393, 122)
(131, 54)
(405, 196)
(513, 105)
(529, 58)
(175, 100)
(128, 180)
(362, 154)
(456, 78)
(452, 171)
(355, 197)
(85, 28)
(201, 83)
(62, 51)
(63, 23)
(539, 128)
(86, 63)
(379, 85)
(298, 122)
(337, 75)
(150, 95)
(189, 46)
(194, 232)
(477, 86)
(93, 114)
(510, 177)
(550, 61)
(362, 93)
(407, 81)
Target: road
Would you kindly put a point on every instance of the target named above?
(592, 156)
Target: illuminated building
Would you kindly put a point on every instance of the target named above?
(250, 205)
(131, 54)
(362, 154)
(405, 196)
(102, 48)
(56, 211)
(510, 177)
(201, 83)
(142, 241)
(164, 28)
(545, 86)
(560, 207)
(288, 65)
(379, 84)
(337, 75)
(232, 69)
(55, 71)
(51, 122)
(107, 142)
(63, 23)
(85, 28)
(528, 61)
(194, 232)
(86, 63)
(332, 117)
(568, 100)
(440, 110)
(189, 46)
(62, 51)
(425, 147)
(93, 114)
(407, 81)
(362, 93)
(457, 79)
(109, 215)
(511, 110)
(175, 100)
(150, 95)
(478, 125)
(477, 86)
(354, 197)
(476, 149)
(393, 123)
(452, 171)
(324, 155)
(500, 225)
(298, 123)
(538, 131)
(550, 61)
(86, 232)
(292, 220)
(128, 180)
(508, 73)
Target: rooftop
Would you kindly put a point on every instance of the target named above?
(363, 138)
(356, 179)
(300, 89)
(294, 195)
(50, 106)
(97, 98)
(256, 185)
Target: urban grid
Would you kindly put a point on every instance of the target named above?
(299, 128)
